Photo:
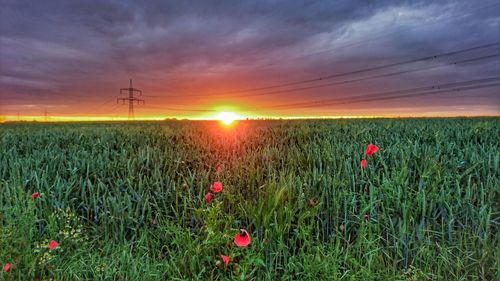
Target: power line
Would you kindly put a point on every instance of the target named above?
(368, 77)
(395, 94)
(410, 90)
(327, 77)
(309, 104)
(370, 97)
(419, 94)
(369, 69)
(180, 109)
(114, 108)
(96, 109)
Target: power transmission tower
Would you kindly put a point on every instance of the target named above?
(45, 114)
(130, 99)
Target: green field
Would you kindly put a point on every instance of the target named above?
(125, 201)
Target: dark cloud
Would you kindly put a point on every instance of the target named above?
(58, 52)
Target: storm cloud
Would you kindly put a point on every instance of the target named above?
(73, 56)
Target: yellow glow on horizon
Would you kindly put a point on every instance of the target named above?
(226, 118)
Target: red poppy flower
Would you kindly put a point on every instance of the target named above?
(370, 149)
(7, 267)
(208, 197)
(363, 163)
(225, 259)
(53, 244)
(367, 217)
(242, 239)
(216, 187)
(34, 195)
(217, 168)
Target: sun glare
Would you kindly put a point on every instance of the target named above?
(227, 117)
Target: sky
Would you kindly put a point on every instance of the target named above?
(192, 59)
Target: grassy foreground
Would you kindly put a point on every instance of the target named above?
(126, 201)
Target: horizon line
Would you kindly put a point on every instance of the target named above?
(67, 119)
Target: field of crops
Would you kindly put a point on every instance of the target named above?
(127, 201)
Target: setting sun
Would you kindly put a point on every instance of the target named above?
(227, 117)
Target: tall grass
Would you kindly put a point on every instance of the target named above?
(125, 201)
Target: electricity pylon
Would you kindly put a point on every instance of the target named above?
(130, 99)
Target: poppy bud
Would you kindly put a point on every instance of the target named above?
(53, 244)
(34, 195)
(225, 259)
(7, 267)
(208, 197)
